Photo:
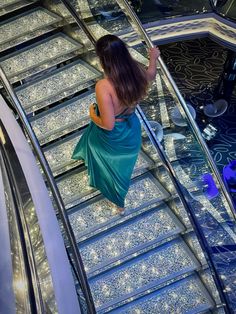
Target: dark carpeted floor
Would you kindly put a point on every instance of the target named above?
(196, 66)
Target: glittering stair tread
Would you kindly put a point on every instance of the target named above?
(207, 279)
(26, 37)
(14, 6)
(26, 23)
(144, 272)
(64, 118)
(59, 155)
(144, 190)
(37, 54)
(75, 188)
(5, 3)
(129, 237)
(34, 95)
(192, 241)
(187, 296)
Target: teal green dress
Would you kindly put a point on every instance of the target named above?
(110, 156)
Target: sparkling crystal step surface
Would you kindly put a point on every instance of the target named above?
(142, 273)
(98, 213)
(59, 155)
(57, 85)
(10, 6)
(130, 237)
(66, 117)
(5, 3)
(74, 187)
(26, 23)
(17, 63)
(185, 296)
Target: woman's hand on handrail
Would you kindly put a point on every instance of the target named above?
(154, 54)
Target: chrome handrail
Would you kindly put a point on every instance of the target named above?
(180, 100)
(79, 21)
(26, 243)
(55, 191)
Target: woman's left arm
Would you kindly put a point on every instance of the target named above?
(106, 119)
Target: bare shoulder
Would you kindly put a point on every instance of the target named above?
(103, 84)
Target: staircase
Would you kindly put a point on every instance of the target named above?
(148, 261)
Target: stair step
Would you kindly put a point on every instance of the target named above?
(7, 6)
(64, 118)
(22, 39)
(16, 64)
(26, 23)
(142, 273)
(59, 155)
(179, 210)
(129, 238)
(57, 85)
(98, 214)
(5, 3)
(207, 279)
(192, 241)
(185, 296)
(74, 187)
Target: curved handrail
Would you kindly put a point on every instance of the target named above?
(56, 194)
(167, 164)
(36, 300)
(173, 87)
(79, 21)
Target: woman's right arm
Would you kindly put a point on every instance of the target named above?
(154, 53)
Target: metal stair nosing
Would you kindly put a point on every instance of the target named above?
(150, 285)
(56, 19)
(129, 308)
(28, 107)
(134, 251)
(14, 77)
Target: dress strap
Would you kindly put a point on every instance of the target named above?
(122, 113)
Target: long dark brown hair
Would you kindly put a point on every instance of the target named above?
(127, 76)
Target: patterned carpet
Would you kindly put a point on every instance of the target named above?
(196, 65)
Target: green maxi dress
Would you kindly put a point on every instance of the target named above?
(110, 156)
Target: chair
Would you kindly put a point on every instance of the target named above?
(216, 109)
(229, 177)
(210, 189)
(157, 129)
(177, 117)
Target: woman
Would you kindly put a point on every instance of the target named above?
(112, 141)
